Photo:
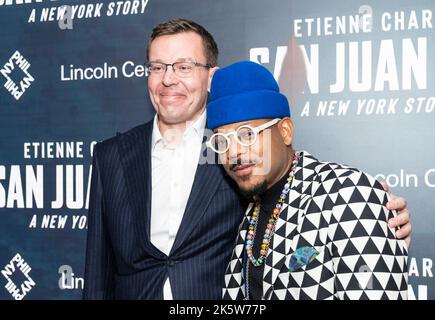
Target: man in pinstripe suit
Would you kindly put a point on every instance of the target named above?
(161, 225)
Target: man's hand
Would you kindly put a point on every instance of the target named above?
(403, 217)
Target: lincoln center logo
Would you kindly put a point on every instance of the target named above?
(19, 283)
(22, 81)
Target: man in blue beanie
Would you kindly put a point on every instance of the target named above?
(314, 230)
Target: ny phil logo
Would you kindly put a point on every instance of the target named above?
(18, 87)
(18, 290)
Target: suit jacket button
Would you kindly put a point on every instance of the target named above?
(170, 262)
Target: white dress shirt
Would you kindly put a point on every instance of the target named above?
(173, 171)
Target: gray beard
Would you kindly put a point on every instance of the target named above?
(256, 190)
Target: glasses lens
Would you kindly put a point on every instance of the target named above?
(155, 67)
(246, 136)
(184, 68)
(219, 142)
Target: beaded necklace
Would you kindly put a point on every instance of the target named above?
(268, 234)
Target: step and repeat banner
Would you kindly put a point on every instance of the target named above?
(360, 76)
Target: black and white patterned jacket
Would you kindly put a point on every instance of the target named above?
(340, 212)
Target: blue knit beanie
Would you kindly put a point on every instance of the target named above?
(244, 91)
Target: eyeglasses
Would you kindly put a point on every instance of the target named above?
(181, 68)
(245, 135)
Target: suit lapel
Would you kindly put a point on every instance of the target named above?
(207, 180)
(234, 275)
(135, 154)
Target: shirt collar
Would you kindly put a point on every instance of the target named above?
(194, 130)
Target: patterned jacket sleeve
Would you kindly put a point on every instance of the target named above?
(369, 261)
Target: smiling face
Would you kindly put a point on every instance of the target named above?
(179, 100)
(257, 167)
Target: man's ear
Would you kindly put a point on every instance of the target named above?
(211, 72)
(286, 127)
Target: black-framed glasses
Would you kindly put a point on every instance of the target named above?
(245, 136)
(180, 68)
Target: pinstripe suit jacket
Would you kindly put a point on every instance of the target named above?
(121, 262)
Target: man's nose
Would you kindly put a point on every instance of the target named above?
(235, 149)
(169, 77)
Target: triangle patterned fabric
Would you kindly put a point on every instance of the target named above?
(338, 212)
